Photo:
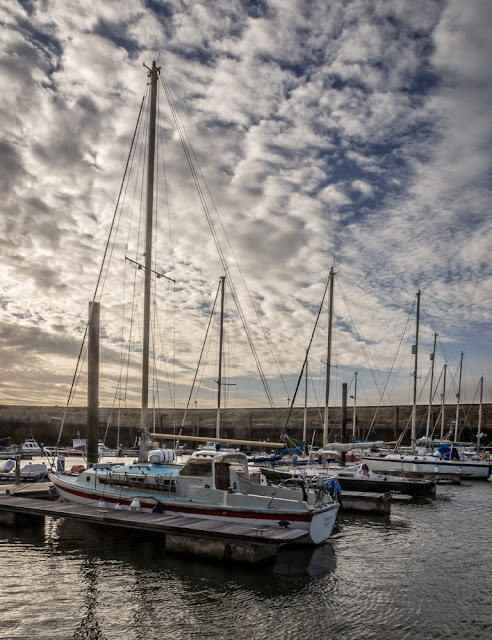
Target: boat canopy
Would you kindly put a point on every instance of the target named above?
(448, 453)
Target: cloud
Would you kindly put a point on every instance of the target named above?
(349, 131)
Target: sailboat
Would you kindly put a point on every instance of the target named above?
(446, 460)
(352, 478)
(213, 485)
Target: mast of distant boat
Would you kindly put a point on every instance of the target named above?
(153, 74)
(458, 401)
(443, 399)
(429, 410)
(328, 357)
(479, 432)
(416, 352)
(354, 417)
(221, 338)
(304, 426)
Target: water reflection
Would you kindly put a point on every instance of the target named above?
(116, 567)
(148, 550)
(89, 627)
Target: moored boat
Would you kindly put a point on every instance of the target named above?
(211, 484)
(29, 472)
(31, 448)
(434, 464)
(361, 478)
(355, 478)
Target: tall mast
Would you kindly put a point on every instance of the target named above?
(304, 426)
(153, 74)
(93, 384)
(354, 417)
(479, 431)
(443, 396)
(221, 339)
(416, 352)
(433, 356)
(458, 401)
(328, 357)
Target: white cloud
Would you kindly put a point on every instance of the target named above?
(356, 130)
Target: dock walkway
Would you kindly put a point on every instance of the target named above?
(41, 490)
(199, 536)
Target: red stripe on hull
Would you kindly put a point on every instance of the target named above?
(224, 512)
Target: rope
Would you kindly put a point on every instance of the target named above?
(358, 333)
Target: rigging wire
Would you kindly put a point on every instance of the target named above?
(200, 358)
(186, 144)
(127, 343)
(99, 276)
(358, 332)
(284, 428)
(135, 291)
(439, 414)
(390, 372)
(318, 406)
(172, 257)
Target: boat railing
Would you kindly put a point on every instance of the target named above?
(160, 483)
(281, 485)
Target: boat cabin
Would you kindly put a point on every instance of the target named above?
(32, 447)
(227, 471)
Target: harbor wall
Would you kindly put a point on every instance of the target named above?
(388, 423)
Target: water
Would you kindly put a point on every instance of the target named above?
(423, 573)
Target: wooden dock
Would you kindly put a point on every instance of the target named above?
(29, 490)
(365, 502)
(236, 542)
(369, 502)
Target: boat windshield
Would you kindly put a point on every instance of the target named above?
(197, 468)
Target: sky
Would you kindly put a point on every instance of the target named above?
(352, 133)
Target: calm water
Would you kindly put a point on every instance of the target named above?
(424, 572)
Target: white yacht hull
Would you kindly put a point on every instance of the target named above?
(478, 469)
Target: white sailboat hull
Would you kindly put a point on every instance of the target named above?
(393, 463)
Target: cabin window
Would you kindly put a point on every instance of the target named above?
(202, 468)
(239, 469)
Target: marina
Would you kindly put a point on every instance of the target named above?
(369, 579)
(245, 321)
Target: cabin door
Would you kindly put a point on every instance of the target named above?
(222, 476)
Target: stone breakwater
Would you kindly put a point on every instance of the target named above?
(43, 423)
